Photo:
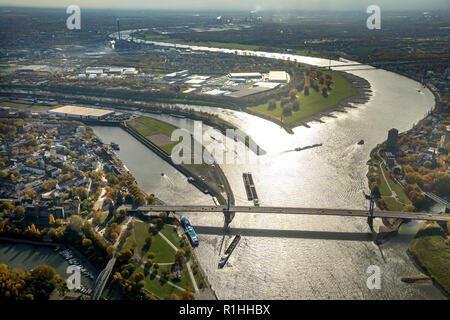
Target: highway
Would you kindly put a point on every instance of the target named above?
(294, 210)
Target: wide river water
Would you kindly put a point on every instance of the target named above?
(299, 257)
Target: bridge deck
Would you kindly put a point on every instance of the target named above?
(294, 210)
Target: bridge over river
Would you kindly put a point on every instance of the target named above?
(292, 210)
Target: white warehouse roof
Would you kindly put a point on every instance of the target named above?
(278, 76)
(81, 111)
(245, 75)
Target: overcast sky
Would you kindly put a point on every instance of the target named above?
(232, 5)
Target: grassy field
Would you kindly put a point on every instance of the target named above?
(391, 203)
(431, 250)
(170, 233)
(163, 251)
(156, 286)
(313, 103)
(148, 126)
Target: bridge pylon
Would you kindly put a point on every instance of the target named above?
(229, 215)
(371, 209)
(370, 218)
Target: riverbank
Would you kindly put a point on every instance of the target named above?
(349, 91)
(430, 252)
(197, 181)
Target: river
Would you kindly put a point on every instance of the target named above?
(299, 257)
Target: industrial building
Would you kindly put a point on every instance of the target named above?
(82, 112)
(94, 70)
(178, 74)
(129, 71)
(245, 75)
(278, 76)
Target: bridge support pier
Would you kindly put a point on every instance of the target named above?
(370, 218)
(229, 215)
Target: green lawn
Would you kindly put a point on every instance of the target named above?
(432, 252)
(398, 189)
(163, 251)
(148, 126)
(392, 204)
(156, 286)
(153, 126)
(311, 104)
(169, 232)
(384, 188)
(141, 231)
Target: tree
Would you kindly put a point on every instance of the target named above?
(187, 295)
(98, 218)
(148, 240)
(179, 256)
(306, 89)
(110, 250)
(428, 164)
(287, 109)
(114, 235)
(441, 184)
(409, 208)
(150, 200)
(155, 267)
(51, 220)
(272, 104)
(172, 296)
(158, 222)
(325, 90)
(417, 198)
(19, 212)
(293, 94)
(30, 194)
(43, 280)
(81, 192)
(124, 255)
(296, 105)
(375, 190)
(86, 242)
(75, 223)
(163, 215)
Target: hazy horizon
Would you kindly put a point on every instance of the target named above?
(238, 5)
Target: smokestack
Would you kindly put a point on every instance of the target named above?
(118, 27)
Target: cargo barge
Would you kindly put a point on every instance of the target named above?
(229, 251)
